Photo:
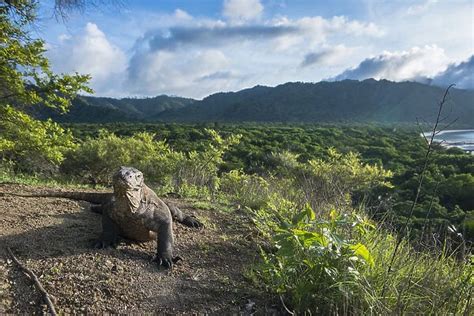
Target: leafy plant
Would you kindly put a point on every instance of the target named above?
(200, 168)
(33, 145)
(317, 263)
(98, 158)
(248, 190)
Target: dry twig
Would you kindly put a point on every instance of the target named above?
(37, 283)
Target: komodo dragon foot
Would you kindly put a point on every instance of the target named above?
(165, 261)
(192, 221)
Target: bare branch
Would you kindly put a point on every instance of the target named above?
(421, 131)
(449, 124)
(35, 279)
(421, 178)
(284, 306)
(63, 8)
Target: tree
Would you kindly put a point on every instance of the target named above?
(26, 80)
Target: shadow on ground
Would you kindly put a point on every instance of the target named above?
(53, 237)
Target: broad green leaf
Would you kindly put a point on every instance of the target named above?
(310, 238)
(364, 253)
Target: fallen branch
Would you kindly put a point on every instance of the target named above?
(38, 285)
(284, 305)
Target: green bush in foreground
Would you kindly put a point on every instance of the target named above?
(318, 263)
(340, 265)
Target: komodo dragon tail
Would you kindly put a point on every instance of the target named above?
(91, 197)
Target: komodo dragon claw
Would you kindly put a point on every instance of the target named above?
(166, 262)
(192, 221)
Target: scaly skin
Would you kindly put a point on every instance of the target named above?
(135, 212)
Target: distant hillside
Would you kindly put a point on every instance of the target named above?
(342, 101)
(100, 110)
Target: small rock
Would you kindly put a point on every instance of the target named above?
(250, 307)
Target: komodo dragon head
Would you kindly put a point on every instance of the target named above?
(128, 182)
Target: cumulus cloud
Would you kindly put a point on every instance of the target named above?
(461, 74)
(195, 56)
(90, 52)
(248, 44)
(416, 64)
(242, 10)
(217, 75)
(178, 73)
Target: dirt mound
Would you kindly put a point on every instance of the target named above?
(53, 237)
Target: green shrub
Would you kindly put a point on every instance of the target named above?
(32, 145)
(248, 190)
(194, 173)
(340, 266)
(98, 158)
(317, 263)
(200, 168)
(328, 183)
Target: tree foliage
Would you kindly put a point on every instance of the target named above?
(26, 79)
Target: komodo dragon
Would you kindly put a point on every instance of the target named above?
(135, 212)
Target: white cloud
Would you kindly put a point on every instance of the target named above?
(447, 24)
(284, 33)
(340, 24)
(182, 15)
(182, 59)
(178, 73)
(90, 52)
(416, 63)
(461, 74)
(242, 10)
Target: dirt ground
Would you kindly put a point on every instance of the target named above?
(53, 237)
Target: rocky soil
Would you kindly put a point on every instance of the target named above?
(53, 237)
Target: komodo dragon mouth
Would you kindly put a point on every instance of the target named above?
(128, 182)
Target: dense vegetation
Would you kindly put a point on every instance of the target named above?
(446, 201)
(335, 102)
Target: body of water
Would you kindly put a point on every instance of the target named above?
(463, 139)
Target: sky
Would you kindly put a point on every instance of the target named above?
(198, 47)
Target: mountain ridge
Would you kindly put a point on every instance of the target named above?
(89, 109)
(370, 100)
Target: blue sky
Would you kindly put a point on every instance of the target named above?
(196, 48)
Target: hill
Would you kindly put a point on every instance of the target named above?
(342, 101)
(88, 109)
(335, 102)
